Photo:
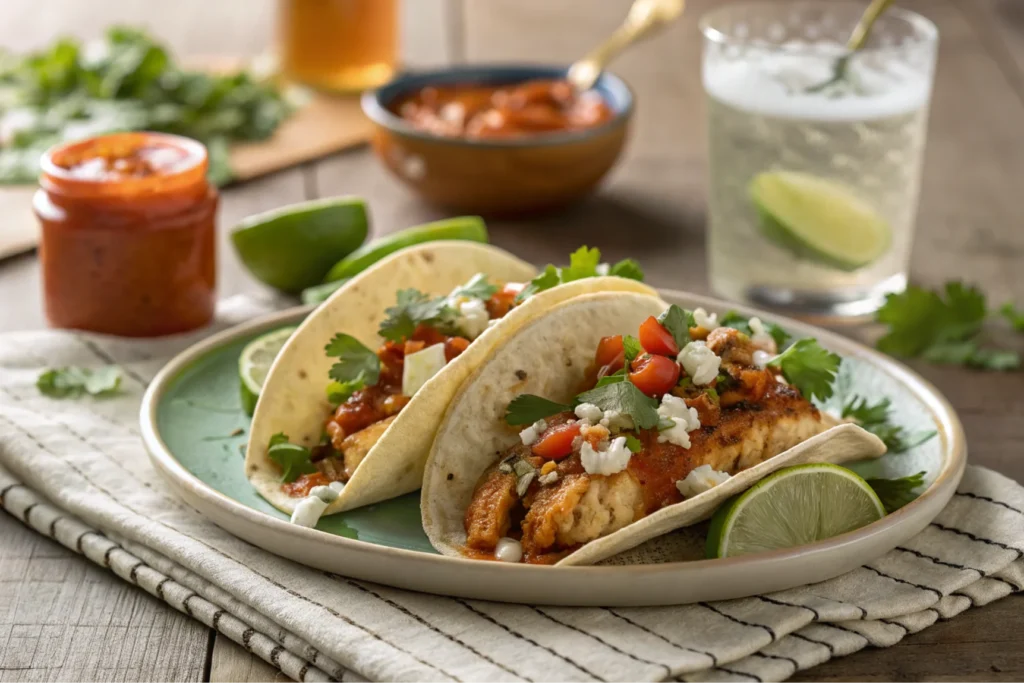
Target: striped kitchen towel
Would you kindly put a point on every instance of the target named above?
(76, 471)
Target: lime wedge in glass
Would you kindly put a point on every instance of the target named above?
(255, 362)
(293, 247)
(819, 220)
(793, 507)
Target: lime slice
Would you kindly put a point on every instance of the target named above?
(793, 507)
(255, 362)
(293, 247)
(820, 220)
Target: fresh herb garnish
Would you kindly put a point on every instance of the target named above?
(943, 327)
(293, 459)
(617, 376)
(583, 263)
(738, 322)
(127, 82)
(625, 398)
(895, 493)
(875, 418)
(413, 308)
(634, 444)
(808, 367)
(357, 367)
(1014, 316)
(526, 409)
(477, 288)
(75, 381)
(631, 347)
(678, 322)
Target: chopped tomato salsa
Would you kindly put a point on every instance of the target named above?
(305, 483)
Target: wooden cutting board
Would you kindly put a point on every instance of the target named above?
(323, 126)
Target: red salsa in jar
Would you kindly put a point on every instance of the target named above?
(128, 235)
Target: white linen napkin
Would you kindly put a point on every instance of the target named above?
(76, 471)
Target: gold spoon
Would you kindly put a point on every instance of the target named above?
(857, 39)
(644, 16)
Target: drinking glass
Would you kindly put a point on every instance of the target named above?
(815, 165)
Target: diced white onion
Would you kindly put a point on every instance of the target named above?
(308, 510)
(419, 367)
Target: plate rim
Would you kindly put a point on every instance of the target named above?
(954, 454)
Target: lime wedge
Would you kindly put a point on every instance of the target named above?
(293, 247)
(819, 220)
(793, 507)
(255, 362)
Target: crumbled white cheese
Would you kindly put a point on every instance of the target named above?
(709, 321)
(472, 316)
(533, 432)
(419, 367)
(589, 412)
(324, 493)
(760, 335)
(549, 478)
(338, 486)
(308, 510)
(684, 420)
(606, 462)
(700, 362)
(699, 480)
(508, 550)
(761, 358)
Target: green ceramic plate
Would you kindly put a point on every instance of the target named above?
(194, 427)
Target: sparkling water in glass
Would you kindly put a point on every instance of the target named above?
(814, 181)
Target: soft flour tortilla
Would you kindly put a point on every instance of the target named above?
(554, 352)
(294, 401)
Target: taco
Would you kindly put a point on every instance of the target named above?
(576, 441)
(350, 406)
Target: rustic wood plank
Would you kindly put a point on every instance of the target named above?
(231, 663)
(64, 618)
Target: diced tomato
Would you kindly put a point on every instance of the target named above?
(428, 335)
(556, 442)
(504, 300)
(656, 339)
(453, 346)
(304, 484)
(392, 358)
(610, 356)
(412, 346)
(654, 375)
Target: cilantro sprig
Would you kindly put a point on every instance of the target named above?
(477, 288)
(526, 409)
(678, 322)
(72, 381)
(945, 327)
(895, 493)
(356, 367)
(876, 419)
(585, 262)
(620, 396)
(293, 459)
(809, 367)
(413, 308)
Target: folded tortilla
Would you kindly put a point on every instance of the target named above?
(294, 400)
(549, 358)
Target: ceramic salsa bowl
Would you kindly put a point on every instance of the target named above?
(495, 177)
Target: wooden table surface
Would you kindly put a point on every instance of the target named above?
(63, 618)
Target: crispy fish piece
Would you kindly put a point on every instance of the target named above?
(356, 445)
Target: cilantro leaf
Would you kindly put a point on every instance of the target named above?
(72, 381)
(919, 318)
(548, 278)
(582, 264)
(876, 419)
(293, 459)
(627, 268)
(895, 493)
(526, 409)
(809, 367)
(477, 288)
(617, 376)
(356, 368)
(970, 354)
(631, 347)
(1013, 315)
(625, 398)
(413, 308)
(678, 322)
(736, 321)
(634, 444)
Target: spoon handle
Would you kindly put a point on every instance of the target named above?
(867, 20)
(644, 16)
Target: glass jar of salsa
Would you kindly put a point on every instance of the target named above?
(128, 236)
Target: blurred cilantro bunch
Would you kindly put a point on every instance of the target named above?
(125, 82)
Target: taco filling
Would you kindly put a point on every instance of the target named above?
(421, 335)
(663, 416)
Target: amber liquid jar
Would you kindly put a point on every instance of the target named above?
(338, 45)
(128, 235)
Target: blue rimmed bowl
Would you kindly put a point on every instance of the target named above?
(497, 177)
